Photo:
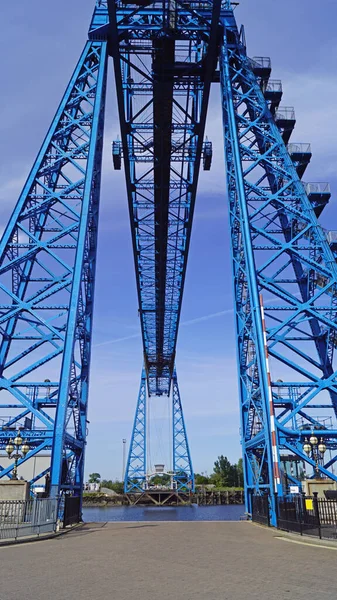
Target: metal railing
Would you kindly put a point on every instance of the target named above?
(261, 62)
(285, 113)
(317, 188)
(20, 518)
(189, 4)
(298, 514)
(327, 510)
(299, 148)
(301, 514)
(260, 509)
(274, 85)
(72, 510)
(332, 236)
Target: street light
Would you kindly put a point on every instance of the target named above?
(17, 449)
(315, 450)
(124, 458)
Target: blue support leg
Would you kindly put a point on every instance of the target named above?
(86, 251)
(47, 273)
(182, 464)
(135, 473)
(285, 282)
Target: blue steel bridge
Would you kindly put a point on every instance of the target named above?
(166, 55)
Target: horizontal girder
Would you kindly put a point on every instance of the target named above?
(163, 84)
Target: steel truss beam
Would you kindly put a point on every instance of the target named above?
(285, 275)
(165, 56)
(135, 472)
(47, 275)
(182, 463)
(280, 254)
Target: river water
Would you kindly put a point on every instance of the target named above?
(163, 513)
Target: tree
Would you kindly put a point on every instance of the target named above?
(201, 479)
(222, 475)
(227, 475)
(107, 483)
(240, 472)
(164, 480)
(94, 478)
(116, 486)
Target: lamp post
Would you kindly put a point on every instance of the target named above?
(315, 450)
(17, 449)
(124, 458)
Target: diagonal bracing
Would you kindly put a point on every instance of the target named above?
(285, 280)
(47, 273)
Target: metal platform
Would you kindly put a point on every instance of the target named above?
(160, 498)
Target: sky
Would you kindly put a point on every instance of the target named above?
(40, 43)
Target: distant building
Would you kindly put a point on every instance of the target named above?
(29, 469)
(92, 487)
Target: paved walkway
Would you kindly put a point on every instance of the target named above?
(165, 561)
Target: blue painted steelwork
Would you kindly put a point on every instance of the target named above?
(47, 275)
(279, 251)
(136, 476)
(164, 55)
(135, 472)
(182, 464)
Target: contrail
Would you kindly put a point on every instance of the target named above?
(116, 340)
(208, 317)
(190, 322)
(215, 315)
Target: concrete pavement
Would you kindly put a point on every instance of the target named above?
(162, 561)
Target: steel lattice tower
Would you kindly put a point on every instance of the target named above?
(166, 55)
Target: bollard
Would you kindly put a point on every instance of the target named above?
(316, 510)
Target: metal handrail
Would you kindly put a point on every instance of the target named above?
(317, 188)
(299, 148)
(285, 112)
(20, 518)
(274, 85)
(263, 62)
(331, 236)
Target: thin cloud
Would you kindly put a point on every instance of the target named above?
(208, 317)
(117, 340)
(221, 313)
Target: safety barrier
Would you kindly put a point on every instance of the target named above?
(307, 515)
(298, 514)
(20, 518)
(260, 509)
(72, 510)
(317, 188)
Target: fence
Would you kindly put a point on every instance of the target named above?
(72, 510)
(317, 188)
(20, 518)
(260, 509)
(300, 514)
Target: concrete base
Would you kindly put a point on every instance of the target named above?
(318, 485)
(14, 490)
